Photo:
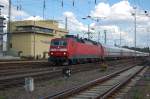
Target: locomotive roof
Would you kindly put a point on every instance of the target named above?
(82, 40)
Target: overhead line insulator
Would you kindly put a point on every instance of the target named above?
(73, 3)
(95, 1)
(62, 3)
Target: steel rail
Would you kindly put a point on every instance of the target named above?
(118, 86)
(70, 92)
(5, 81)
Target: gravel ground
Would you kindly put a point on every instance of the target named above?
(141, 90)
(55, 85)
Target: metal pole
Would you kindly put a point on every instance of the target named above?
(135, 26)
(120, 42)
(43, 9)
(99, 36)
(105, 38)
(66, 23)
(115, 43)
(34, 40)
(88, 31)
(9, 26)
(120, 38)
(135, 30)
(1, 32)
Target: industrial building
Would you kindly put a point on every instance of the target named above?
(1, 30)
(31, 38)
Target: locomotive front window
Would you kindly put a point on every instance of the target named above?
(55, 43)
(58, 43)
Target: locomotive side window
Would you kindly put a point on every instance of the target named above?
(58, 43)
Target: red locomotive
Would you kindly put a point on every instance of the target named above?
(72, 50)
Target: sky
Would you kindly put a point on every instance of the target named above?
(114, 16)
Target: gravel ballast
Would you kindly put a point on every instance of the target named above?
(56, 85)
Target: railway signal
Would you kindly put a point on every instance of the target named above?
(66, 72)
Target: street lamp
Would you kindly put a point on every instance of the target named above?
(135, 25)
(147, 14)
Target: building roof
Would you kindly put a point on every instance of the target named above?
(48, 25)
(1, 6)
(1, 17)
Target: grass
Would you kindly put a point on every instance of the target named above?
(146, 77)
(2, 97)
(141, 92)
(137, 95)
(56, 82)
(103, 67)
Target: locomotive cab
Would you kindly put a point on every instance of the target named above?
(58, 50)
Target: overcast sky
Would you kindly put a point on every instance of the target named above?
(115, 16)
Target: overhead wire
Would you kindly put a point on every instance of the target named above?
(37, 3)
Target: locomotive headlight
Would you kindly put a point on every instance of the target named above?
(52, 53)
(65, 53)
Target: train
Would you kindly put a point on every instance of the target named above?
(72, 49)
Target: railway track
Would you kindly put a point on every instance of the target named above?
(22, 65)
(101, 88)
(20, 60)
(15, 68)
(26, 64)
(17, 78)
(7, 69)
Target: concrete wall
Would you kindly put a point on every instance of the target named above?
(22, 43)
(42, 44)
